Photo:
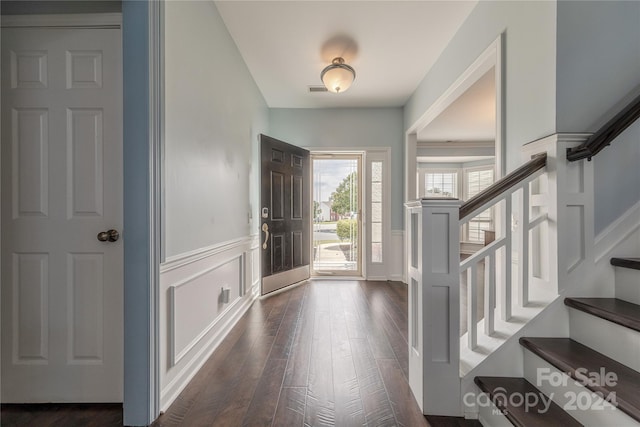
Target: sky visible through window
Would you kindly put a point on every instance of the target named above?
(328, 174)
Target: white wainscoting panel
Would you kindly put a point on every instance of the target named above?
(396, 256)
(617, 232)
(194, 317)
(196, 302)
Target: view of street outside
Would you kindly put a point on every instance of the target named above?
(335, 208)
(331, 253)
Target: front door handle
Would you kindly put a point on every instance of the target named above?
(265, 228)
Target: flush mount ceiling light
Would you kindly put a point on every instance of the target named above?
(338, 76)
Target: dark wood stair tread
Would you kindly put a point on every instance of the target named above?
(633, 263)
(500, 388)
(612, 309)
(568, 355)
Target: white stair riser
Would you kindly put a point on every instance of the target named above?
(615, 341)
(490, 416)
(577, 400)
(628, 284)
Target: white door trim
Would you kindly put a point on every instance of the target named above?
(156, 171)
(79, 20)
(156, 127)
(341, 154)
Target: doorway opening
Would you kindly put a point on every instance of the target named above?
(337, 212)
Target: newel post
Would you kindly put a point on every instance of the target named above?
(566, 195)
(433, 273)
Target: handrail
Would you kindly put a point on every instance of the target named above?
(607, 133)
(536, 163)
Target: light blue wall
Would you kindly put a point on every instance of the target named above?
(136, 238)
(530, 37)
(213, 115)
(598, 66)
(351, 128)
(598, 60)
(617, 178)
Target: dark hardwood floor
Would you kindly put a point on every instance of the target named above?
(59, 415)
(326, 353)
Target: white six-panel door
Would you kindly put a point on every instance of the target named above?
(61, 172)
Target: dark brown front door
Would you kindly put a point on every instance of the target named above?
(284, 211)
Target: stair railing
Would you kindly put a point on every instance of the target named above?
(500, 191)
(607, 133)
(545, 232)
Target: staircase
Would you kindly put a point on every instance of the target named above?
(558, 339)
(590, 378)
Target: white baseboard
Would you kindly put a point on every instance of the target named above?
(609, 238)
(397, 257)
(171, 390)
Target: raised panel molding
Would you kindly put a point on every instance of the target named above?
(195, 304)
(84, 69)
(30, 158)
(439, 237)
(30, 308)
(193, 319)
(619, 230)
(29, 69)
(397, 256)
(575, 236)
(84, 179)
(85, 308)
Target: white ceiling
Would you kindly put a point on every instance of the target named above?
(391, 45)
(471, 117)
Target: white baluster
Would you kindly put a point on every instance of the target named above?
(523, 247)
(472, 306)
(489, 293)
(505, 303)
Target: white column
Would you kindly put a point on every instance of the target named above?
(434, 305)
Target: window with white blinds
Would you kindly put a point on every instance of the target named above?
(476, 180)
(440, 184)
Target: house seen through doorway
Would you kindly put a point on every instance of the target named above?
(336, 215)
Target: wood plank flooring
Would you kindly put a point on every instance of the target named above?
(326, 353)
(67, 415)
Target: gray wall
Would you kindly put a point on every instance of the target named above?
(136, 236)
(530, 37)
(352, 128)
(598, 67)
(214, 113)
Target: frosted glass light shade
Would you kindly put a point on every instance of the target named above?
(338, 76)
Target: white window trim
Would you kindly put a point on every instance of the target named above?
(378, 270)
(424, 171)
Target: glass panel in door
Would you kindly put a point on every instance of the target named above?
(336, 215)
